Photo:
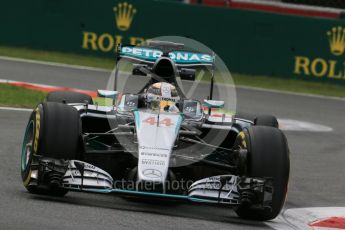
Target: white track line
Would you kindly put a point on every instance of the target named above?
(55, 64)
(302, 126)
(79, 67)
(16, 109)
(290, 93)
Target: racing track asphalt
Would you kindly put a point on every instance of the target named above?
(317, 165)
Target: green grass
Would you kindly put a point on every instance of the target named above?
(72, 59)
(26, 98)
(291, 85)
(17, 97)
(102, 101)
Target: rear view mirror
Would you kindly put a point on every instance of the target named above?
(129, 102)
(187, 74)
(137, 70)
(192, 109)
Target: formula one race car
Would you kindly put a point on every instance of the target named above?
(156, 142)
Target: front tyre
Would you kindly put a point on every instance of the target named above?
(53, 130)
(267, 156)
(27, 157)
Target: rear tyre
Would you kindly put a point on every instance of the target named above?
(262, 120)
(53, 130)
(266, 120)
(268, 156)
(68, 97)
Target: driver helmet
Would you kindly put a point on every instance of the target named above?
(163, 96)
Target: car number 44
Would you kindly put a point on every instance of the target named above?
(153, 121)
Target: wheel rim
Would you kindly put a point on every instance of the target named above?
(27, 145)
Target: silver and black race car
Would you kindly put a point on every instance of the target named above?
(157, 143)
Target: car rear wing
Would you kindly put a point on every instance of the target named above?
(153, 50)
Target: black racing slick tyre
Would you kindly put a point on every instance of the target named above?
(262, 120)
(267, 157)
(54, 131)
(68, 97)
(266, 120)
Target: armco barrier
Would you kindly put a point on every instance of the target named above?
(250, 42)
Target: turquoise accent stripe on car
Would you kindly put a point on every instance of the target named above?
(150, 194)
(178, 125)
(25, 142)
(137, 118)
(179, 57)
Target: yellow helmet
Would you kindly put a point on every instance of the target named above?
(162, 95)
